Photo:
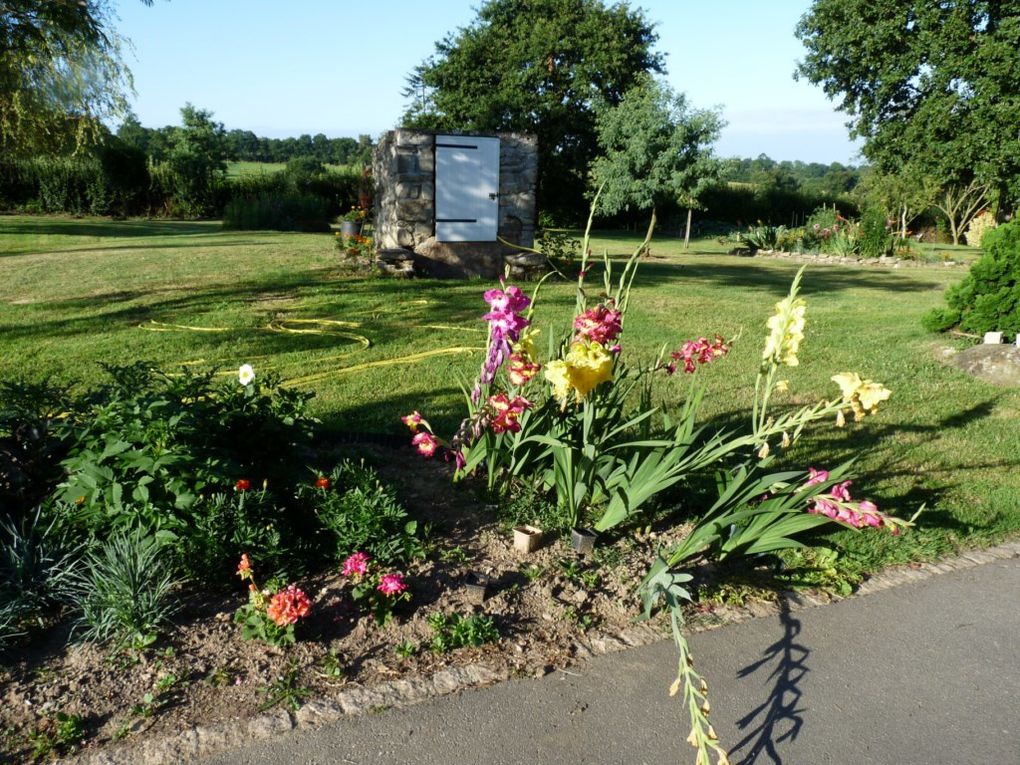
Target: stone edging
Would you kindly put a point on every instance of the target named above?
(203, 740)
(802, 257)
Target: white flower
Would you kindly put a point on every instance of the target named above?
(245, 374)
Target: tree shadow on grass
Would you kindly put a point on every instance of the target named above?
(779, 718)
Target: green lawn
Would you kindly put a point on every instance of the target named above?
(77, 292)
(235, 169)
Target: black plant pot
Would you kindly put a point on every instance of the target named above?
(583, 540)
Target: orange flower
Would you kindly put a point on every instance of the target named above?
(289, 605)
(244, 567)
(322, 483)
(243, 484)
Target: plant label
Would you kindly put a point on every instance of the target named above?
(993, 338)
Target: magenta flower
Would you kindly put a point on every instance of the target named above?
(506, 412)
(412, 420)
(505, 325)
(391, 584)
(816, 476)
(841, 491)
(426, 443)
(601, 324)
(356, 564)
(700, 351)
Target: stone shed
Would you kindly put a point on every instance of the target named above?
(445, 200)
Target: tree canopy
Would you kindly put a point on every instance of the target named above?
(537, 66)
(656, 149)
(935, 86)
(60, 73)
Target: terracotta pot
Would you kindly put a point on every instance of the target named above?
(527, 538)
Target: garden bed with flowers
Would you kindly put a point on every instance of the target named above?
(216, 560)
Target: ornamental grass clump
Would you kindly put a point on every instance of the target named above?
(587, 433)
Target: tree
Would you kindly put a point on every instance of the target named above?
(60, 74)
(197, 154)
(933, 86)
(656, 150)
(902, 196)
(536, 66)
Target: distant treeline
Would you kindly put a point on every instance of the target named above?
(245, 146)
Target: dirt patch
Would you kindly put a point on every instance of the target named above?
(548, 606)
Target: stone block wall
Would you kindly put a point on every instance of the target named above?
(404, 170)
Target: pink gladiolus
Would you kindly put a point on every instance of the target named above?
(816, 476)
(426, 444)
(601, 324)
(412, 420)
(520, 370)
(506, 412)
(356, 564)
(700, 351)
(391, 584)
(841, 491)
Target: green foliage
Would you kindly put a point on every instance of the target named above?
(256, 624)
(125, 592)
(988, 298)
(527, 505)
(60, 74)
(456, 631)
(763, 237)
(940, 319)
(286, 690)
(876, 237)
(932, 86)
(277, 212)
(35, 565)
(361, 514)
(56, 734)
(30, 448)
(537, 67)
(558, 245)
(655, 149)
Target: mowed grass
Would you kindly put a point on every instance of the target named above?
(234, 169)
(74, 293)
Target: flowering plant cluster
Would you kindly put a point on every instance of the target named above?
(270, 615)
(356, 214)
(356, 247)
(839, 506)
(378, 591)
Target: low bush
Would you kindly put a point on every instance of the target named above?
(876, 236)
(988, 298)
(278, 212)
(360, 514)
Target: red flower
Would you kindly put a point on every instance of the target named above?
(322, 483)
(243, 484)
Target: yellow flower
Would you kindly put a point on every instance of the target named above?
(585, 366)
(786, 332)
(863, 396)
(526, 343)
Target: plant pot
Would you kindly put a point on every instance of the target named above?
(583, 540)
(477, 587)
(527, 538)
(350, 228)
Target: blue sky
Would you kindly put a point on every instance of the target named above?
(338, 66)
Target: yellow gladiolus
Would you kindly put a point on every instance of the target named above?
(786, 332)
(863, 396)
(585, 366)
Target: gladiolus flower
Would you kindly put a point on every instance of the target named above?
(289, 605)
(863, 396)
(507, 412)
(356, 564)
(243, 484)
(520, 370)
(816, 476)
(426, 444)
(323, 483)
(245, 374)
(601, 324)
(786, 332)
(700, 351)
(412, 420)
(585, 366)
(391, 584)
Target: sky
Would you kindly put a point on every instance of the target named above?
(338, 66)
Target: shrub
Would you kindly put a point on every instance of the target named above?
(277, 212)
(988, 298)
(125, 591)
(35, 570)
(876, 238)
(363, 515)
(979, 226)
(762, 237)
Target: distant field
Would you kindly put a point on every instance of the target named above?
(77, 292)
(235, 169)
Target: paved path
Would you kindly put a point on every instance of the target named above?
(926, 673)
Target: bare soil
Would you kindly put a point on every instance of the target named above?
(202, 672)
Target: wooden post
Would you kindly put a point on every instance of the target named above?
(687, 233)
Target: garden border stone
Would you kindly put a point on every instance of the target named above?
(203, 740)
(843, 260)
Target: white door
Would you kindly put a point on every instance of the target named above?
(467, 186)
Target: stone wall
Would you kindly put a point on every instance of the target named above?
(404, 170)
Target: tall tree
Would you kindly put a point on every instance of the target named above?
(930, 85)
(655, 150)
(537, 66)
(60, 73)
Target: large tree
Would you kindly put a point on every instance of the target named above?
(537, 66)
(60, 73)
(656, 150)
(930, 85)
